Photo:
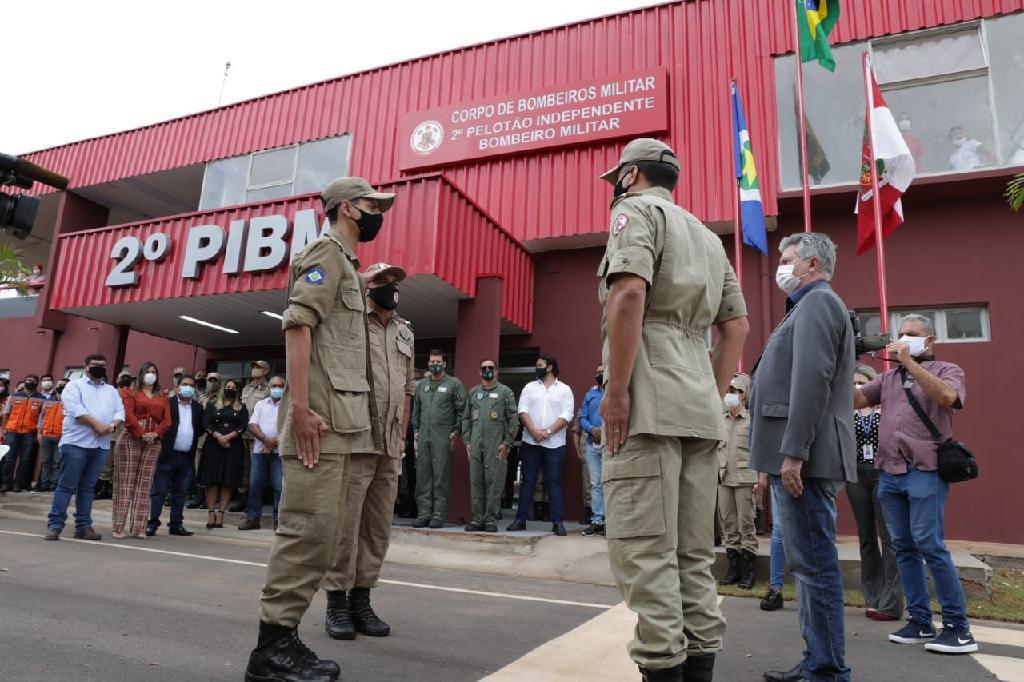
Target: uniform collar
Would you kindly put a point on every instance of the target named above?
(659, 192)
(339, 239)
(392, 316)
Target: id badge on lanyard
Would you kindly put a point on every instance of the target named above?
(868, 450)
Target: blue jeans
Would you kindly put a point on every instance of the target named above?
(913, 504)
(19, 463)
(810, 541)
(553, 460)
(174, 474)
(596, 487)
(79, 470)
(265, 468)
(777, 567)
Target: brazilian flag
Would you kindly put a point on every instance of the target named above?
(815, 19)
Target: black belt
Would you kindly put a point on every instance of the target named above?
(182, 452)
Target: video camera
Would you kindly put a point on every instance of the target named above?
(866, 344)
(18, 211)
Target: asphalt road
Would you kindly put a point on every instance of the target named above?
(170, 608)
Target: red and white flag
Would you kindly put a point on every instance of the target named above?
(895, 170)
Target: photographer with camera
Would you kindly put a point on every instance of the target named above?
(917, 400)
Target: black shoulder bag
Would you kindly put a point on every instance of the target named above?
(956, 462)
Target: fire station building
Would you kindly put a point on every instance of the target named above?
(173, 241)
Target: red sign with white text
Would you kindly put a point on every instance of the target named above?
(600, 109)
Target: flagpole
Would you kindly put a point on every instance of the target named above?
(738, 229)
(883, 295)
(804, 182)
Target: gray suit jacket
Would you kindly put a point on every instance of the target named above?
(801, 402)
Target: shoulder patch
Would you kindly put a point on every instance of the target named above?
(619, 224)
(314, 276)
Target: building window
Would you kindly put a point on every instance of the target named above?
(955, 91)
(5, 374)
(274, 173)
(71, 373)
(955, 324)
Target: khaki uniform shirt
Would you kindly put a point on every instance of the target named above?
(734, 452)
(491, 416)
(391, 361)
(691, 286)
(326, 295)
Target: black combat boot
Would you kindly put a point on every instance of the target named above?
(339, 619)
(698, 668)
(674, 674)
(747, 559)
(365, 620)
(280, 656)
(732, 576)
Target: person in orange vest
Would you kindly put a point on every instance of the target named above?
(20, 421)
(51, 421)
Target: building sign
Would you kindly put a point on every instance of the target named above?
(622, 105)
(259, 244)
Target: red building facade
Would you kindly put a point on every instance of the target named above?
(501, 226)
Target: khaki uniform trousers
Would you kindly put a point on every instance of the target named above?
(659, 508)
(312, 508)
(366, 530)
(736, 507)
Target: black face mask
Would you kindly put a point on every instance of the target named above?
(98, 372)
(600, 379)
(230, 393)
(487, 374)
(369, 225)
(60, 389)
(620, 189)
(30, 386)
(386, 296)
(541, 372)
(201, 384)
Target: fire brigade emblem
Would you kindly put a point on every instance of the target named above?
(619, 224)
(427, 137)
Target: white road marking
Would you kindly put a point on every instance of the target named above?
(1005, 668)
(594, 651)
(399, 583)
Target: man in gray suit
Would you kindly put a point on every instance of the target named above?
(802, 436)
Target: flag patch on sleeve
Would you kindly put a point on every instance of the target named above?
(619, 224)
(314, 276)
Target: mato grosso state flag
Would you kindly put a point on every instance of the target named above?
(815, 19)
(891, 155)
(751, 209)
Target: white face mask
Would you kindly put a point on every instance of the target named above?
(731, 401)
(917, 344)
(149, 378)
(47, 385)
(785, 278)
(959, 142)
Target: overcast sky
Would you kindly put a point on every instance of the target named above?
(80, 69)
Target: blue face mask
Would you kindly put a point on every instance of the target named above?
(276, 393)
(186, 391)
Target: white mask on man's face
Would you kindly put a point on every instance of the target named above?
(905, 124)
(918, 344)
(731, 401)
(785, 278)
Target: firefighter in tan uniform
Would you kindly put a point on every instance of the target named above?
(373, 477)
(664, 281)
(328, 415)
(736, 482)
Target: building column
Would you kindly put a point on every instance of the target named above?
(478, 336)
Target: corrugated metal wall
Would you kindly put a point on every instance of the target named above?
(432, 229)
(703, 43)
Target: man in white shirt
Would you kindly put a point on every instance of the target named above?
(546, 409)
(266, 460)
(174, 469)
(968, 153)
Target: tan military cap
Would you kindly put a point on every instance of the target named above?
(741, 382)
(263, 364)
(642, 149)
(341, 189)
(379, 272)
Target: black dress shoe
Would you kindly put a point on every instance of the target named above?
(558, 529)
(474, 528)
(52, 534)
(771, 601)
(151, 529)
(516, 526)
(787, 676)
(180, 530)
(339, 619)
(673, 674)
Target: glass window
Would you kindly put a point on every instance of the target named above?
(224, 183)
(965, 324)
(272, 168)
(73, 373)
(870, 323)
(320, 162)
(943, 111)
(925, 56)
(1006, 50)
(270, 192)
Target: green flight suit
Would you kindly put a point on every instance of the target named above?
(660, 488)
(436, 415)
(489, 421)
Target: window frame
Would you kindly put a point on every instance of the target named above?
(938, 314)
(72, 372)
(295, 165)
